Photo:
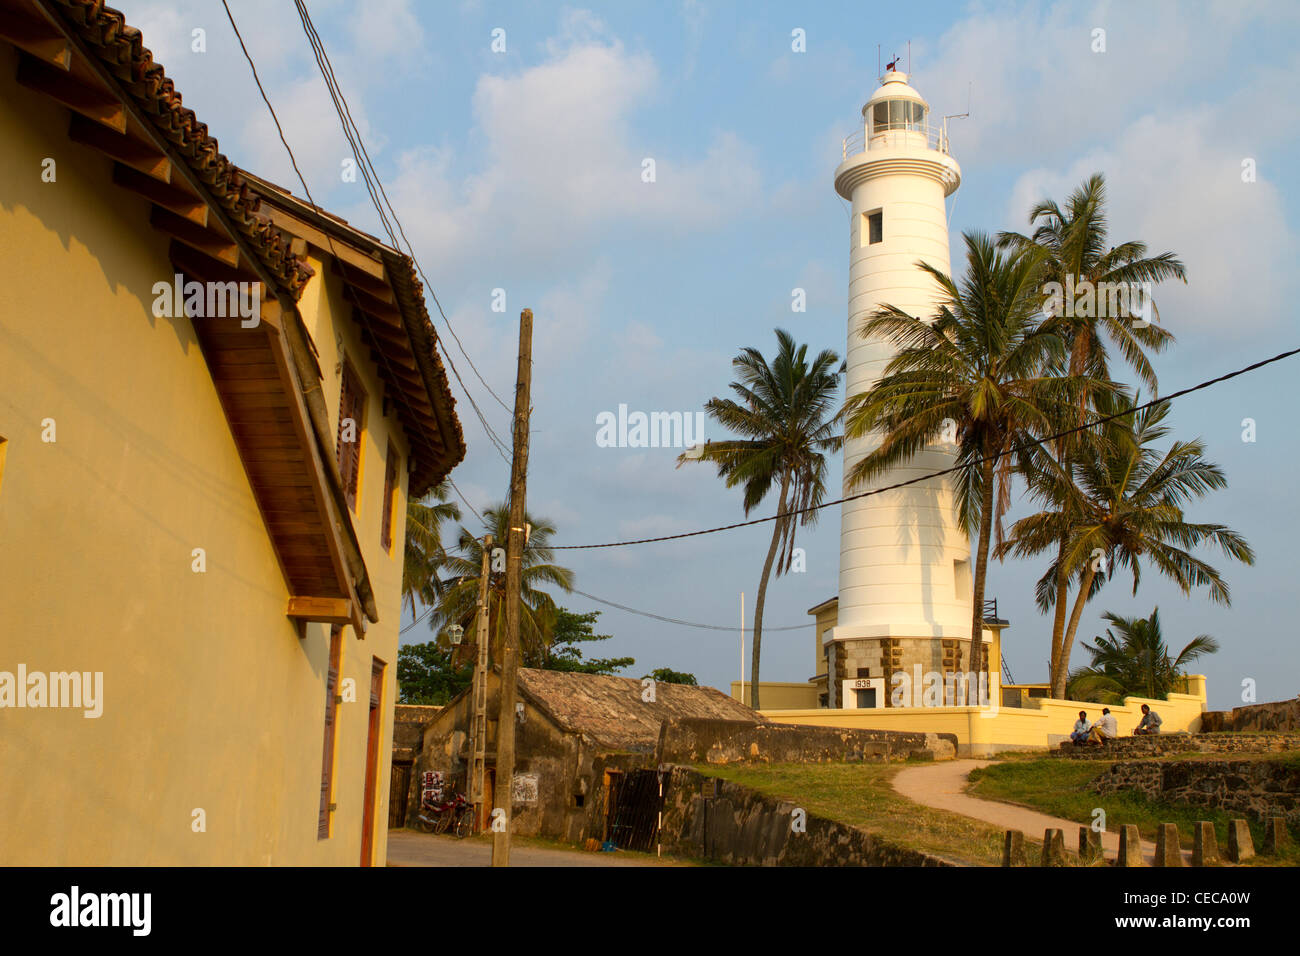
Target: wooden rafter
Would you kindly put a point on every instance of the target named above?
(37, 36)
(72, 91)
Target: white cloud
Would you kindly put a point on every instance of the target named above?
(562, 163)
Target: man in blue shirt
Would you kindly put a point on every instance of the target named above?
(1081, 728)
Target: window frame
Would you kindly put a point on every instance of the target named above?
(352, 475)
(392, 485)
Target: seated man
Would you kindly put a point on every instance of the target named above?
(1081, 728)
(1104, 729)
(1150, 722)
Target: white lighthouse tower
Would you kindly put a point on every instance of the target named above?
(905, 577)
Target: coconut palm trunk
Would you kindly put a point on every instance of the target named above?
(777, 528)
(1067, 640)
(981, 573)
(1056, 668)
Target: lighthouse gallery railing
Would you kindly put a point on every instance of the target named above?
(936, 137)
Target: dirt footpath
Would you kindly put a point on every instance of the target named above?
(941, 786)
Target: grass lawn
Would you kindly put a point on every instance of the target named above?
(862, 795)
(1061, 788)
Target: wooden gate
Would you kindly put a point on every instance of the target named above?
(634, 805)
(398, 791)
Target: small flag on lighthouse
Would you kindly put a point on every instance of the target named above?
(889, 67)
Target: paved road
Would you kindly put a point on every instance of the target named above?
(409, 848)
(941, 786)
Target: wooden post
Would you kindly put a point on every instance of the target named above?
(478, 720)
(514, 579)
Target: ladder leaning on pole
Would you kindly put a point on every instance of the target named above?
(478, 696)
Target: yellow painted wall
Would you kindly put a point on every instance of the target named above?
(987, 732)
(781, 696)
(210, 699)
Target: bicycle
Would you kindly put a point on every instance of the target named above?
(456, 815)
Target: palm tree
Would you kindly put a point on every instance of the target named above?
(982, 362)
(1121, 501)
(1073, 242)
(538, 610)
(1134, 662)
(787, 423)
(424, 556)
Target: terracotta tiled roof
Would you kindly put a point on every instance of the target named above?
(612, 711)
(121, 50)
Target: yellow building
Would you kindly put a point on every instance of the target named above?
(215, 402)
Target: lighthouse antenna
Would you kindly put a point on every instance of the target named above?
(909, 58)
(877, 59)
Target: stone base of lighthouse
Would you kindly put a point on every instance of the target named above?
(860, 665)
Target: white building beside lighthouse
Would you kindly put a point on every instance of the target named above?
(905, 574)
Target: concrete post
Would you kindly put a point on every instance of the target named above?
(1089, 845)
(1205, 845)
(1013, 849)
(1053, 847)
(1168, 852)
(1130, 846)
(1241, 846)
(1274, 835)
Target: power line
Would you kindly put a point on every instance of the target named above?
(935, 474)
(673, 620)
(373, 182)
(632, 610)
(307, 190)
(466, 500)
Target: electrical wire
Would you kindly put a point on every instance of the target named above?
(674, 620)
(373, 182)
(936, 474)
(657, 617)
(495, 439)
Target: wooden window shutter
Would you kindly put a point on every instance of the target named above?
(331, 719)
(390, 494)
(352, 403)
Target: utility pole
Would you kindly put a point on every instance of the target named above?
(478, 721)
(514, 579)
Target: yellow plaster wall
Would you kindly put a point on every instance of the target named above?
(211, 700)
(982, 732)
(782, 696)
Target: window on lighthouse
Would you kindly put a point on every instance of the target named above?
(897, 114)
(875, 231)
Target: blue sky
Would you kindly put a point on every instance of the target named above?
(521, 170)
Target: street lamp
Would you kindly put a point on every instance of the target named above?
(455, 632)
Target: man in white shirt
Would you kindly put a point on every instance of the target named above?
(1105, 728)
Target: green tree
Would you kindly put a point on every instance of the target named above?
(1075, 248)
(787, 422)
(1123, 504)
(562, 652)
(426, 674)
(983, 364)
(459, 602)
(1133, 661)
(666, 675)
(424, 558)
